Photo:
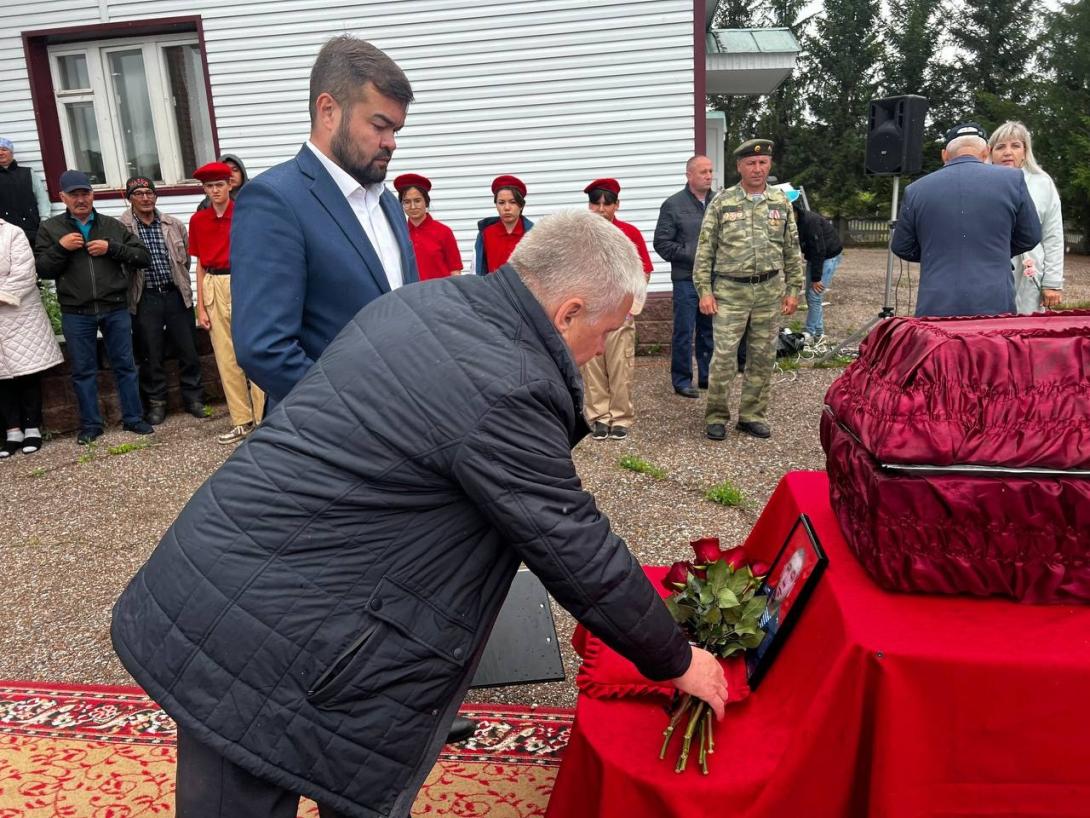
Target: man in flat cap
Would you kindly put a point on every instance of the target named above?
(210, 244)
(161, 301)
(608, 377)
(748, 270)
(963, 223)
(319, 237)
(90, 256)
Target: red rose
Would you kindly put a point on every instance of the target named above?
(707, 550)
(736, 557)
(677, 576)
(760, 569)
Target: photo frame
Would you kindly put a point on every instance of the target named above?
(795, 572)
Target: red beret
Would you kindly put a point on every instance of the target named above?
(213, 172)
(406, 180)
(508, 181)
(612, 185)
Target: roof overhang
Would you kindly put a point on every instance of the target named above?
(748, 61)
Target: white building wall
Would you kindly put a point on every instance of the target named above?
(557, 92)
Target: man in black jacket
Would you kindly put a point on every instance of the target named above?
(823, 251)
(23, 200)
(87, 253)
(675, 240)
(315, 614)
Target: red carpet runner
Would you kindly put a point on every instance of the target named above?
(69, 751)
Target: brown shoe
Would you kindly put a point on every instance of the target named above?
(235, 435)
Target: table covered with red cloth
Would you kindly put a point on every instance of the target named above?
(880, 704)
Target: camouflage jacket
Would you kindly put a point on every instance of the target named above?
(740, 237)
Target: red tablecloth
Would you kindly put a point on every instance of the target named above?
(880, 704)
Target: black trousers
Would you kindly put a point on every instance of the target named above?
(163, 318)
(21, 402)
(210, 786)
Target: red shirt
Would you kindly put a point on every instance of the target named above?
(499, 244)
(636, 237)
(436, 250)
(210, 237)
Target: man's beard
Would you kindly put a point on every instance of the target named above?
(347, 156)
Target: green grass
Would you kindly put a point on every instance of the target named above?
(795, 326)
(90, 451)
(38, 472)
(836, 362)
(788, 363)
(208, 411)
(638, 464)
(125, 448)
(726, 494)
(1073, 305)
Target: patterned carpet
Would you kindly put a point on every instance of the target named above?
(69, 751)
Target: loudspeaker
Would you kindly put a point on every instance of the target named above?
(895, 136)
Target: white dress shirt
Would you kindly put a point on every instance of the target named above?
(364, 202)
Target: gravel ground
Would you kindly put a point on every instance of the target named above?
(78, 523)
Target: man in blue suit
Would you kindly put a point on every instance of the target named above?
(319, 237)
(963, 223)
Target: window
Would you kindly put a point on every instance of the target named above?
(133, 107)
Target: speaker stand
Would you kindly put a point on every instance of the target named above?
(887, 299)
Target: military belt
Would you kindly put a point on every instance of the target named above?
(753, 279)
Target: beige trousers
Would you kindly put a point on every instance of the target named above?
(607, 379)
(245, 401)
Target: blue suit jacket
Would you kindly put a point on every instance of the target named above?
(963, 223)
(301, 268)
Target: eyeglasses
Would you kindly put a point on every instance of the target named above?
(142, 193)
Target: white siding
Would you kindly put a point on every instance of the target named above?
(557, 92)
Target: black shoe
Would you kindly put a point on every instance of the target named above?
(460, 730)
(716, 431)
(754, 428)
(138, 428)
(86, 436)
(157, 413)
(196, 409)
(703, 385)
(599, 431)
(687, 391)
(618, 432)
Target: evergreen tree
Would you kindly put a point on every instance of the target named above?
(738, 111)
(912, 34)
(842, 56)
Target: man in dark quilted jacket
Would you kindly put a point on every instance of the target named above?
(315, 614)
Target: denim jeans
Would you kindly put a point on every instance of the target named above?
(815, 316)
(689, 320)
(80, 337)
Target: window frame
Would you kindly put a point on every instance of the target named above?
(42, 46)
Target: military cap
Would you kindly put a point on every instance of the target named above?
(964, 129)
(213, 172)
(754, 147)
(407, 180)
(610, 185)
(508, 181)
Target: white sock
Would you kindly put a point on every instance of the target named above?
(33, 433)
(15, 435)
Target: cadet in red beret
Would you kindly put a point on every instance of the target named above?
(608, 378)
(436, 250)
(210, 244)
(497, 236)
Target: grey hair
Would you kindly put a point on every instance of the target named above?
(576, 253)
(970, 143)
(1016, 130)
(345, 64)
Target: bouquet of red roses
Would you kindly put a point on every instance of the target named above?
(715, 600)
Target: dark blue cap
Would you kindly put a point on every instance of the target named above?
(965, 129)
(74, 180)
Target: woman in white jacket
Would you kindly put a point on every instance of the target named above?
(27, 344)
(1041, 285)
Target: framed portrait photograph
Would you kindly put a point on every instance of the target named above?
(790, 582)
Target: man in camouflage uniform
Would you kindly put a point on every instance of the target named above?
(747, 240)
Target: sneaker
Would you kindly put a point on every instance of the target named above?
(140, 427)
(599, 431)
(86, 436)
(618, 432)
(235, 435)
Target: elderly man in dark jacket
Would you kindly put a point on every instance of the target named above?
(315, 614)
(963, 223)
